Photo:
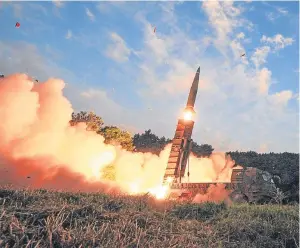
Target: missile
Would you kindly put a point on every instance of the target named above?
(193, 91)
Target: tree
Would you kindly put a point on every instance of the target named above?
(114, 135)
(149, 142)
(203, 150)
(93, 122)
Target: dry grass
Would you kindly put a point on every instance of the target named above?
(58, 219)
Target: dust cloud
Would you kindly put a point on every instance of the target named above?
(39, 149)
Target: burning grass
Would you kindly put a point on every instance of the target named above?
(40, 218)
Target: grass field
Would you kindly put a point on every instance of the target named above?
(58, 219)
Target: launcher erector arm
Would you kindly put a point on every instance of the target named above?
(182, 142)
(180, 150)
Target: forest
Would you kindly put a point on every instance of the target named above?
(283, 166)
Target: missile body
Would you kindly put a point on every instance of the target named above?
(193, 91)
(182, 142)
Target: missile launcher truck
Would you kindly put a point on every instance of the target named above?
(247, 184)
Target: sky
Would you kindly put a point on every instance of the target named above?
(114, 63)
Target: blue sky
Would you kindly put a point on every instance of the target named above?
(113, 63)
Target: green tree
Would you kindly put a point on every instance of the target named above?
(116, 136)
(149, 142)
(203, 150)
(93, 122)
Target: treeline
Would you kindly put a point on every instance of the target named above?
(284, 166)
(149, 142)
(145, 142)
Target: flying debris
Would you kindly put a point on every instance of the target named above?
(17, 25)
(154, 30)
(244, 54)
(28, 177)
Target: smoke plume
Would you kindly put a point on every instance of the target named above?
(38, 147)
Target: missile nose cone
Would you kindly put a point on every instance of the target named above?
(198, 71)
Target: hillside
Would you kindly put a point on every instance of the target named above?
(59, 219)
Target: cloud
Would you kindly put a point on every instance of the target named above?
(271, 16)
(96, 100)
(237, 106)
(166, 51)
(224, 17)
(118, 50)
(238, 50)
(234, 93)
(240, 36)
(274, 43)
(69, 34)
(90, 15)
(157, 45)
(281, 98)
(264, 80)
(279, 12)
(101, 95)
(282, 11)
(277, 41)
(260, 55)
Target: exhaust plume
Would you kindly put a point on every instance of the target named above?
(38, 147)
